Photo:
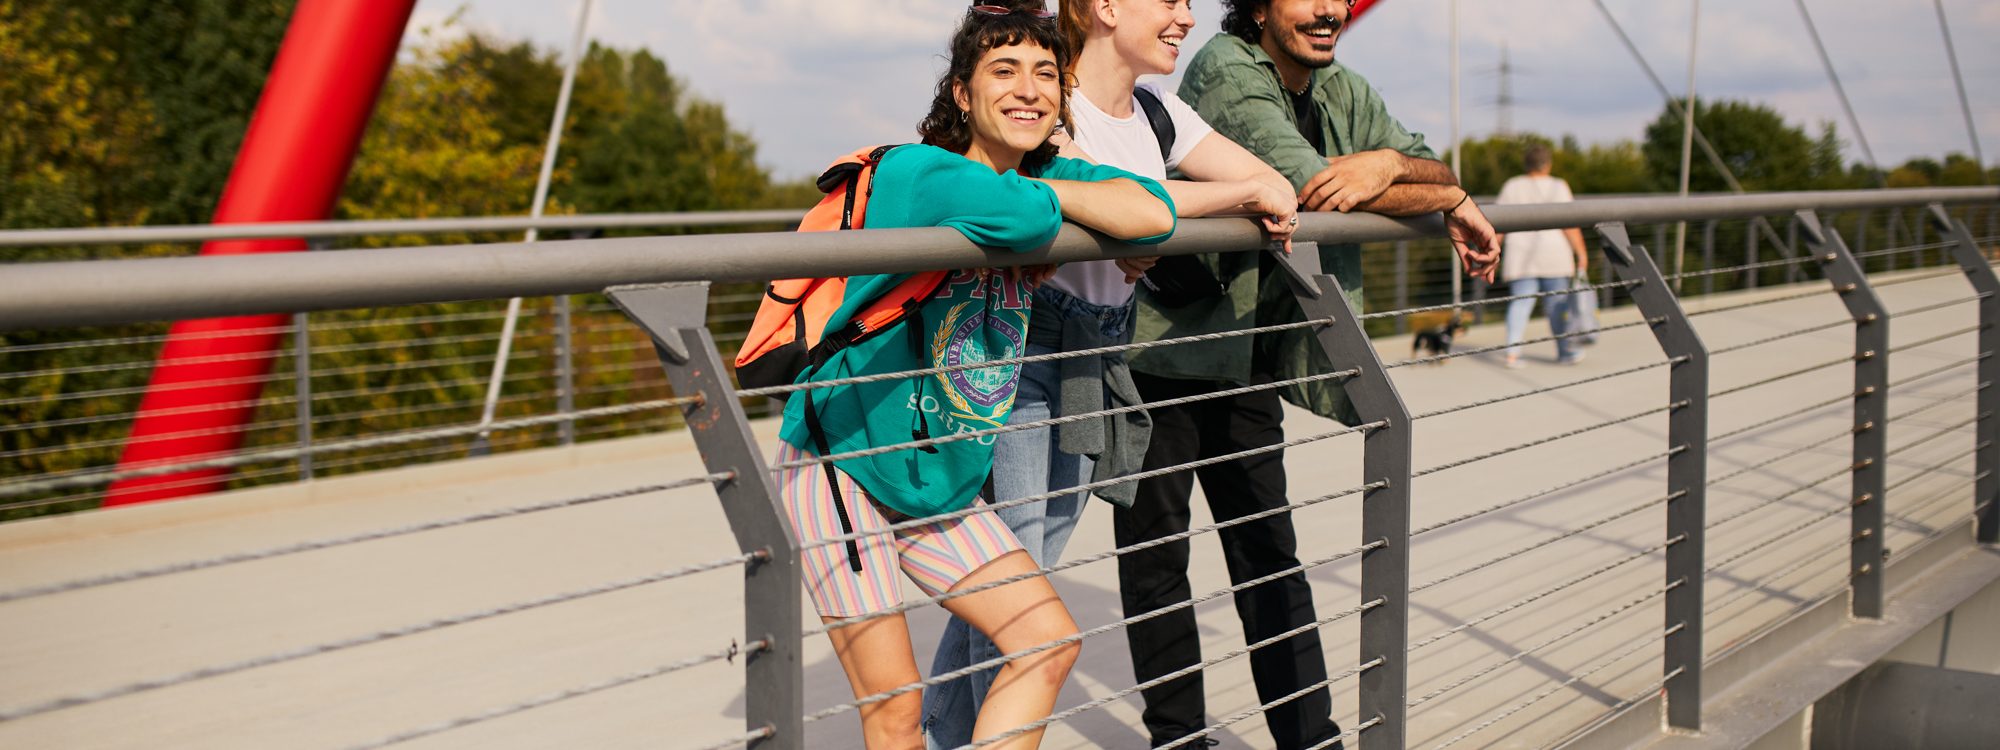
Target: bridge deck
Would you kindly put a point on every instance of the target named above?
(92, 640)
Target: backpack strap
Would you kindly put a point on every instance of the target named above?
(1156, 115)
(832, 481)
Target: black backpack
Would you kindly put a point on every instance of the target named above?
(1177, 280)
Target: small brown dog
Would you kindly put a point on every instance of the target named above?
(1434, 330)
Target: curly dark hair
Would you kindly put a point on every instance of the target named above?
(945, 127)
(1238, 18)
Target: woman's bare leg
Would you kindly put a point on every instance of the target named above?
(876, 655)
(1018, 616)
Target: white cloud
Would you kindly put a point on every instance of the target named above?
(812, 79)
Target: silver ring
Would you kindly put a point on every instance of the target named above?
(1295, 221)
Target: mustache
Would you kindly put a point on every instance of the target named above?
(1323, 23)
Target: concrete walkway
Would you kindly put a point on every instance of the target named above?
(89, 641)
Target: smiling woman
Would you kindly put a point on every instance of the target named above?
(985, 168)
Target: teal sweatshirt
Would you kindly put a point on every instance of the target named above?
(980, 315)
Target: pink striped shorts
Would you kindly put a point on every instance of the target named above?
(936, 556)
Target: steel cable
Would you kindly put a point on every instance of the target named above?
(1940, 466)
(1914, 279)
(1782, 456)
(1523, 342)
(1239, 716)
(1551, 540)
(1546, 440)
(1174, 675)
(1086, 560)
(1102, 629)
(1904, 249)
(1760, 584)
(1744, 267)
(1601, 666)
(1782, 376)
(1757, 303)
(245, 356)
(1780, 337)
(991, 507)
(342, 541)
(284, 454)
(1935, 339)
(1771, 539)
(1844, 471)
(780, 390)
(725, 654)
(1546, 492)
(1056, 421)
(1546, 389)
(1899, 315)
(1941, 432)
(379, 636)
(1843, 399)
(1497, 300)
(1545, 593)
(1558, 638)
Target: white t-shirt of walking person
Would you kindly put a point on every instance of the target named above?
(1536, 255)
(1127, 143)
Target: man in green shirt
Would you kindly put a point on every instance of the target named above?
(1269, 83)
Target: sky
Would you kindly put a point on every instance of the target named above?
(814, 79)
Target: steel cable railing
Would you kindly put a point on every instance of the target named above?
(317, 649)
(284, 454)
(420, 443)
(725, 654)
(1564, 685)
(1517, 656)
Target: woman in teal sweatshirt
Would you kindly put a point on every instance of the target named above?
(986, 169)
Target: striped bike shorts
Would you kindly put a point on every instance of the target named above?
(936, 556)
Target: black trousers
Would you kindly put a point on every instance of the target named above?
(1157, 577)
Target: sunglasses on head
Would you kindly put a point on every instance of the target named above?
(1002, 10)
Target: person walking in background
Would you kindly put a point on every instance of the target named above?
(1089, 305)
(1268, 82)
(1540, 262)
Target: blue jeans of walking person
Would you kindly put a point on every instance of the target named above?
(1025, 463)
(1557, 309)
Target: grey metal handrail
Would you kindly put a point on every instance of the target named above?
(99, 293)
(363, 228)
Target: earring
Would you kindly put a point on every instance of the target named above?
(963, 115)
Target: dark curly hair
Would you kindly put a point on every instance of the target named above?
(977, 33)
(1238, 18)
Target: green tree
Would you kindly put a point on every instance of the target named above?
(1759, 147)
(1594, 169)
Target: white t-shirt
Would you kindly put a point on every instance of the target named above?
(1536, 255)
(1126, 143)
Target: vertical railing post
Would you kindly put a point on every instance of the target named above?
(1687, 471)
(1979, 271)
(1385, 513)
(774, 676)
(1792, 250)
(302, 390)
(1871, 409)
(302, 375)
(1402, 283)
(566, 358)
(1751, 241)
(1708, 256)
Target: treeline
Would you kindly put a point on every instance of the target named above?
(1762, 150)
(123, 112)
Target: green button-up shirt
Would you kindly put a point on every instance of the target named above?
(1234, 85)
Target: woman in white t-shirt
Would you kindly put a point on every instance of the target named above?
(1538, 262)
(1088, 305)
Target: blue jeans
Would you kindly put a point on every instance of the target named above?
(1025, 463)
(1557, 309)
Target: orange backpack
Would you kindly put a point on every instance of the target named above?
(789, 334)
